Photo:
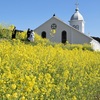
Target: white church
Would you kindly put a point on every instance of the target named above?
(58, 31)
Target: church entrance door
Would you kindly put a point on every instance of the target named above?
(64, 36)
(43, 34)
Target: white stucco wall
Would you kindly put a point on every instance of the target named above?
(79, 38)
(73, 35)
(60, 27)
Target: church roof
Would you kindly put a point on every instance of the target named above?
(77, 15)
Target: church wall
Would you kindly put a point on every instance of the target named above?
(80, 38)
(73, 36)
(60, 27)
(83, 27)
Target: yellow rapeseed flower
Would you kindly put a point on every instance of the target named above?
(74, 98)
(13, 86)
(23, 98)
(8, 96)
(14, 95)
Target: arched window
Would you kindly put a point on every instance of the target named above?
(43, 34)
(64, 36)
(74, 26)
(77, 27)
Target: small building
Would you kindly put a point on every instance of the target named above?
(58, 31)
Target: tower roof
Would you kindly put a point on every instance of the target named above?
(77, 15)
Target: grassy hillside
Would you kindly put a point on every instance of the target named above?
(42, 70)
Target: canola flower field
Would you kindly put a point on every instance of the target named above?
(44, 71)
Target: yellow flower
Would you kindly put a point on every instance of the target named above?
(14, 95)
(13, 86)
(8, 96)
(39, 71)
(23, 98)
(74, 98)
(27, 78)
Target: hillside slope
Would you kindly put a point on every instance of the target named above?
(42, 70)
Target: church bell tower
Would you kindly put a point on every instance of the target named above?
(77, 20)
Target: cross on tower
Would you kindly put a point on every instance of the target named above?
(77, 4)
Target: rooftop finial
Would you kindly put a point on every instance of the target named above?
(53, 14)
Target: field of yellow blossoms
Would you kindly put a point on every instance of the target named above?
(41, 71)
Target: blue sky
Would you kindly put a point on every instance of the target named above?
(26, 14)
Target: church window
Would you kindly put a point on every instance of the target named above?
(53, 26)
(77, 27)
(43, 34)
(74, 26)
(64, 36)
